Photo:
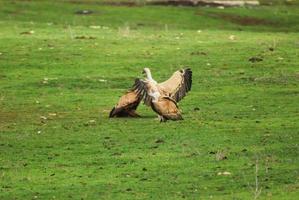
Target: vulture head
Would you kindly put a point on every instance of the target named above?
(148, 75)
(146, 71)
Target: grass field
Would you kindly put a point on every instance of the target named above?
(61, 73)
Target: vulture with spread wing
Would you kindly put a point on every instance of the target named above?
(162, 97)
(164, 106)
(128, 103)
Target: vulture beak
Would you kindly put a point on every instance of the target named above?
(143, 71)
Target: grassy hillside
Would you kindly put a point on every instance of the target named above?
(62, 72)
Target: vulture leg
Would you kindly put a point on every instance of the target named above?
(160, 118)
(163, 119)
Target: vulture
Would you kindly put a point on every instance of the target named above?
(162, 97)
(128, 103)
(164, 106)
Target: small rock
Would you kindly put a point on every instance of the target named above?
(43, 117)
(232, 37)
(223, 173)
(27, 32)
(92, 121)
(95, 27)
(83, 12)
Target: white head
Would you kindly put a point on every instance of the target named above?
(146, 71)
(148, 74)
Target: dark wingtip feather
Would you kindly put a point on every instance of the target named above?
(186, 84)
(112, 114)
(188, 78)
(138, 87)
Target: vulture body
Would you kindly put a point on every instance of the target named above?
(128, 103)
(167, 109)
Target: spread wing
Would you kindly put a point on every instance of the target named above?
(140, 88)
(178, 85)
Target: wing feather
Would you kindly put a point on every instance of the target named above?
(178, 85)
(140, 88)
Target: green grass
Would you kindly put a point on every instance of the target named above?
(52, 88)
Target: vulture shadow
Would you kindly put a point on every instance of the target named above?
(141, 117)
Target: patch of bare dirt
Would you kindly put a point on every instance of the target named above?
(213, 3)
(121, 3)
(7, 117)
(109, 3)
(241, 20)
(173, 3)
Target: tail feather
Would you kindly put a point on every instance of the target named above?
(120, 112)
(133, 113)
(174, 117)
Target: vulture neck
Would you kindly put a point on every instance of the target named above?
(153, 91)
